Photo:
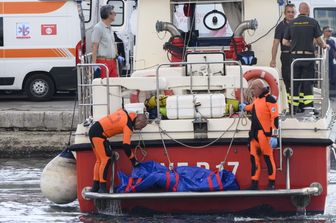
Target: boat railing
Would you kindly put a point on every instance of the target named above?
(321, 77)
(85, 76)
(191, 78)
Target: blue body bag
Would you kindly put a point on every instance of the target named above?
(152, 176)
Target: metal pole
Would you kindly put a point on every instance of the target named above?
(79, 93)
(208, 83)
(208, 70)
(113, 158)
(191, 80)
(112, 178)
(312, 190)
(291, 88)
(325, 83)
(287, 174)
(158, 92)
(280, 144)
(108, 90)
(288, 152)
(241, 82)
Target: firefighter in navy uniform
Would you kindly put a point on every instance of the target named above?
(285, 50)
(119, 122)
(300, 36)
(263, 133)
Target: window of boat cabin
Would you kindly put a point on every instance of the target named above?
(119, 8)
(326, 17)
(216, 20)
(87, 10)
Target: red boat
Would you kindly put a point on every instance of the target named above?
(302, 175)
(217, 141)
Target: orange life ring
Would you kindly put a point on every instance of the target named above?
(269, 78)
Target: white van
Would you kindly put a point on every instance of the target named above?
(39, 46)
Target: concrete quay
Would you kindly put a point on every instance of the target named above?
(35, 128)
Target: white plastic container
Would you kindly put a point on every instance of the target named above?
(183, 106)
(135, 107)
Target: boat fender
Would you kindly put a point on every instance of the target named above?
(268, 77)
(59, 180)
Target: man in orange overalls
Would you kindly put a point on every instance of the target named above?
(116, 123)
(263, 133)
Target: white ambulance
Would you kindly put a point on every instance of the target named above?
(39, 46)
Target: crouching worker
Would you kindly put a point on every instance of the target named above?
(110, 125)
(263, 133)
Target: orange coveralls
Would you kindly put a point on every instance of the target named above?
(265, 114)
(113, 124)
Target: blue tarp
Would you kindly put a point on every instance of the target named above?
(152, 176)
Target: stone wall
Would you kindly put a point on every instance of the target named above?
(25, 133)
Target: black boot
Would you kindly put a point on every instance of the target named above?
(254, 185)
(271, 185)
(95, 186)
(102, 188)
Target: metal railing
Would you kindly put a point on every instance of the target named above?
(191, 79)
(85, 76)
(322, 77)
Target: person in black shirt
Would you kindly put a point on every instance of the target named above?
(300, 36)
(278, 36)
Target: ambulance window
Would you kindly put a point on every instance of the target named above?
(1, 31)
(87, 10)
(119, 8)
(326, 17)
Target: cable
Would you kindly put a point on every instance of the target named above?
(165, 149)
(196, 147)
(164, 35)
(168, 57)
(193, 19)
(230, 145)
(142, 150)
(280, 15)
(145, 68)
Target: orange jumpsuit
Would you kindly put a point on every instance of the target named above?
(113, 124)
(265, 114)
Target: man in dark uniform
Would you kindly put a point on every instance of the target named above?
(285, 55)
(300, 36)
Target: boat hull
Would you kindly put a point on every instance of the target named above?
(308, 164)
